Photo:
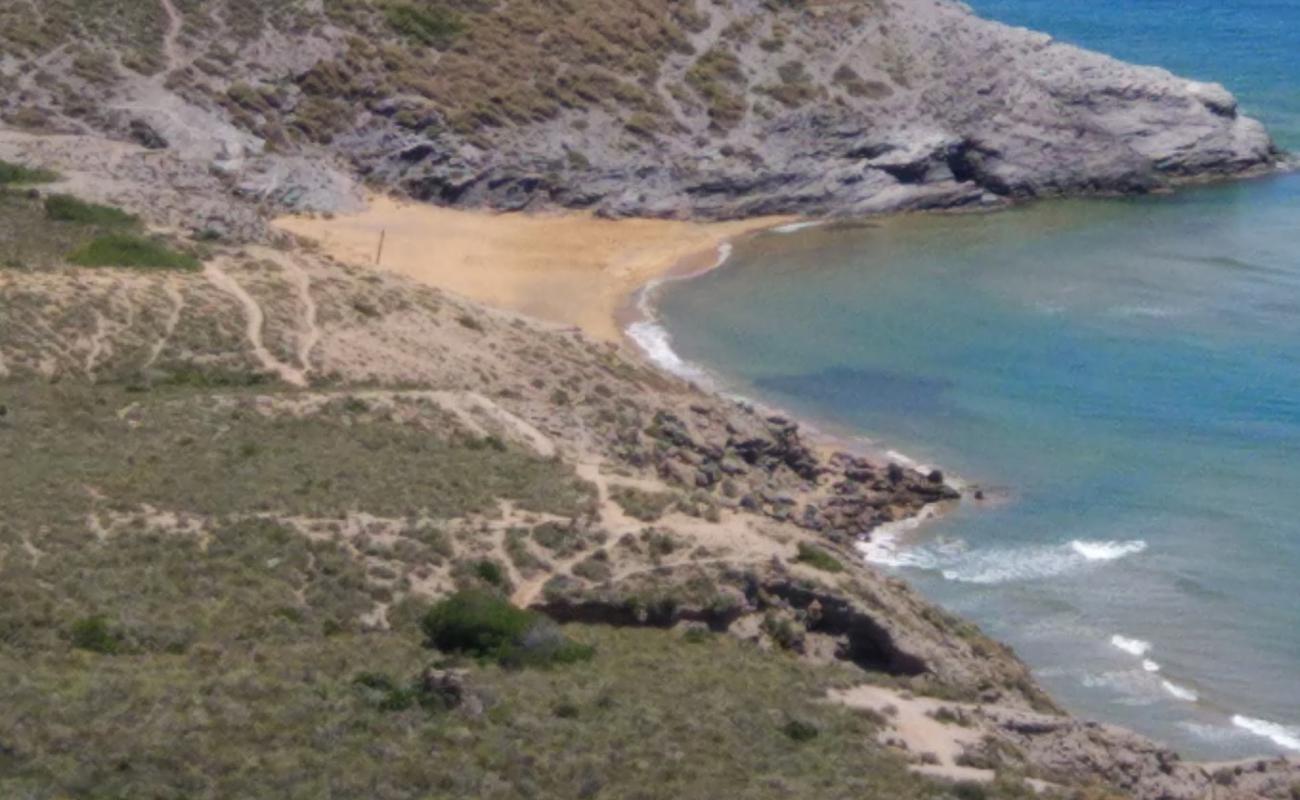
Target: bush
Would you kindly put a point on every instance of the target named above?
(18, 174)
(490, 572)
(131, 251)
(969, 790)
(487, 626)
(95, 635)
(784, 631)
(434, 27)
(66, 208)
(642, 505)
(800, 731)
(818, 558)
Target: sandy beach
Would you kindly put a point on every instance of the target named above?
(575, 269)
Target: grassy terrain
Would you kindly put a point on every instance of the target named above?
(124, 250)
(168, 630)
(814, 556)
(17, 174)
(60, 229)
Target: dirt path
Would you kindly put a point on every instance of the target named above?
(96, 344)
(169, 327)
(256, 321)
(913, 720)
(310, 336)
(171, 39)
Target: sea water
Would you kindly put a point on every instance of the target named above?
(1122, 376)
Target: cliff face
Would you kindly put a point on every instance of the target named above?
(644, 107)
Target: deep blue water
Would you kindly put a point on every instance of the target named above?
(1124, 376)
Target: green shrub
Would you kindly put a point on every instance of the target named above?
(642, 505)
(487, 626)
(814, 556)
(784, 631)
(118, 250)
(386, 694)
(799, 730)
(434, 27)
(595, 568)
(18, 174)
(476, 623)
(969, 790)
(490, 572)
(66, 208)
(95, 635)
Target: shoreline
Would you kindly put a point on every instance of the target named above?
(600, 276)
(887, 546)
(571, 269)
(625, 273)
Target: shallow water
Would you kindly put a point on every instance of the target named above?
(1124, 374)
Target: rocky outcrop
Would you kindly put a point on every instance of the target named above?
(761, 464)
(1069, 750)
(907, 105)
(753, 108)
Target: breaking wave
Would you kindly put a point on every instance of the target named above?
(1134, 647)
(996, 565)
(1280, 735)
(1180, 692)
(654, 339)
(1107, 551)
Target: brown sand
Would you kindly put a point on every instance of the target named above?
(568, 268)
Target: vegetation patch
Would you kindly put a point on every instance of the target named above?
(17, 174)
(489, 627)
(66, 208)
(121, 250)
(719, 81)
(816, 557)
(642, 505)
(430, 25)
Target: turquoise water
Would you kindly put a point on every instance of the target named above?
(1123, 376)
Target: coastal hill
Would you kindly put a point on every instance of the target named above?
(628, 107)
(280, 524)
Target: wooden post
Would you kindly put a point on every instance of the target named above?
(379, 254)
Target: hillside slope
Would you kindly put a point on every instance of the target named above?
(630, 107)
(234, 481)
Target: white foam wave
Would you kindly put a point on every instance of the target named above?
(654, 339)
(1211, 732)
(1280, 735)
(884, 548)
(1035, 562)
(1150, 666)
(1181, 692)
(1132, 688)
(794, 227)
(1148, 312)
(655, 342)
(1107, 551)
(1135, 647)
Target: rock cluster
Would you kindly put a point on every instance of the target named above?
(761, 464)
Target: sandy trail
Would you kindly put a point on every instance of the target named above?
(311, 334)
(912, 720)
(169, 327)
(171, 39)
(255, 321)
(568, 268)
